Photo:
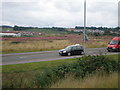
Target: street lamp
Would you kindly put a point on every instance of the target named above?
(85, 26)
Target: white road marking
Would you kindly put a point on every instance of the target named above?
(23, 57)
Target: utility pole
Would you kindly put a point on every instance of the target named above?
(84, 26)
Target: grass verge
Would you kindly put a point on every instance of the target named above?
(24, 75)
(94, 81)
(13, 75)
(26, 67)
(50, 44)
(32, 46)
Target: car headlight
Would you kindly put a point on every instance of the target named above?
(64, 51)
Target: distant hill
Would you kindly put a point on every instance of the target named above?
(6, 26)
(53, 29)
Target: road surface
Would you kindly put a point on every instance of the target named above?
(17, 58)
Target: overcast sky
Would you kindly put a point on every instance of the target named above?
(59, 13)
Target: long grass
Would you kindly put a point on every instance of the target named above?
(95, 81)
(29, 46)
(45, 45)
(23, 75)
(93, 41)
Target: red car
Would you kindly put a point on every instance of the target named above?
(114, 44)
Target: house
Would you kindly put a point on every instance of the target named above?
(10, 34)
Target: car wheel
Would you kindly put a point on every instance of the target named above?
(69, 54)
(109, 50)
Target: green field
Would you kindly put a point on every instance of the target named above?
(48, 31)
(42, 30)
(6, 29)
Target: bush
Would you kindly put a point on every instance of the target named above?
(92, 64)
(83, 67)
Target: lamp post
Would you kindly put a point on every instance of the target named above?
(84, 26)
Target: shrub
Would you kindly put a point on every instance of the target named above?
(83, 67)
(97, 63)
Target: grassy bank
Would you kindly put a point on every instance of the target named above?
(45, 45)
(27, 67)
(95, 81)
(27, 72)
(24, 75)
(30, 46)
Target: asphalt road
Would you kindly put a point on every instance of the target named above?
(17, 58)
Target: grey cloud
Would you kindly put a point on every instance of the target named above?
(21, 6)
(70, 6)
(103, 14)
(103, 7)
(59, 13)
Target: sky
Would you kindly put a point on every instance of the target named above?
(59, 13)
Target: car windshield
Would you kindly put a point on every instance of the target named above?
(113, 42)
(68, 48)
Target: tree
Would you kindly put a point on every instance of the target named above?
(15, 28)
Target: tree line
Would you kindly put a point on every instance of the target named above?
(98, 28)
(19, 28)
